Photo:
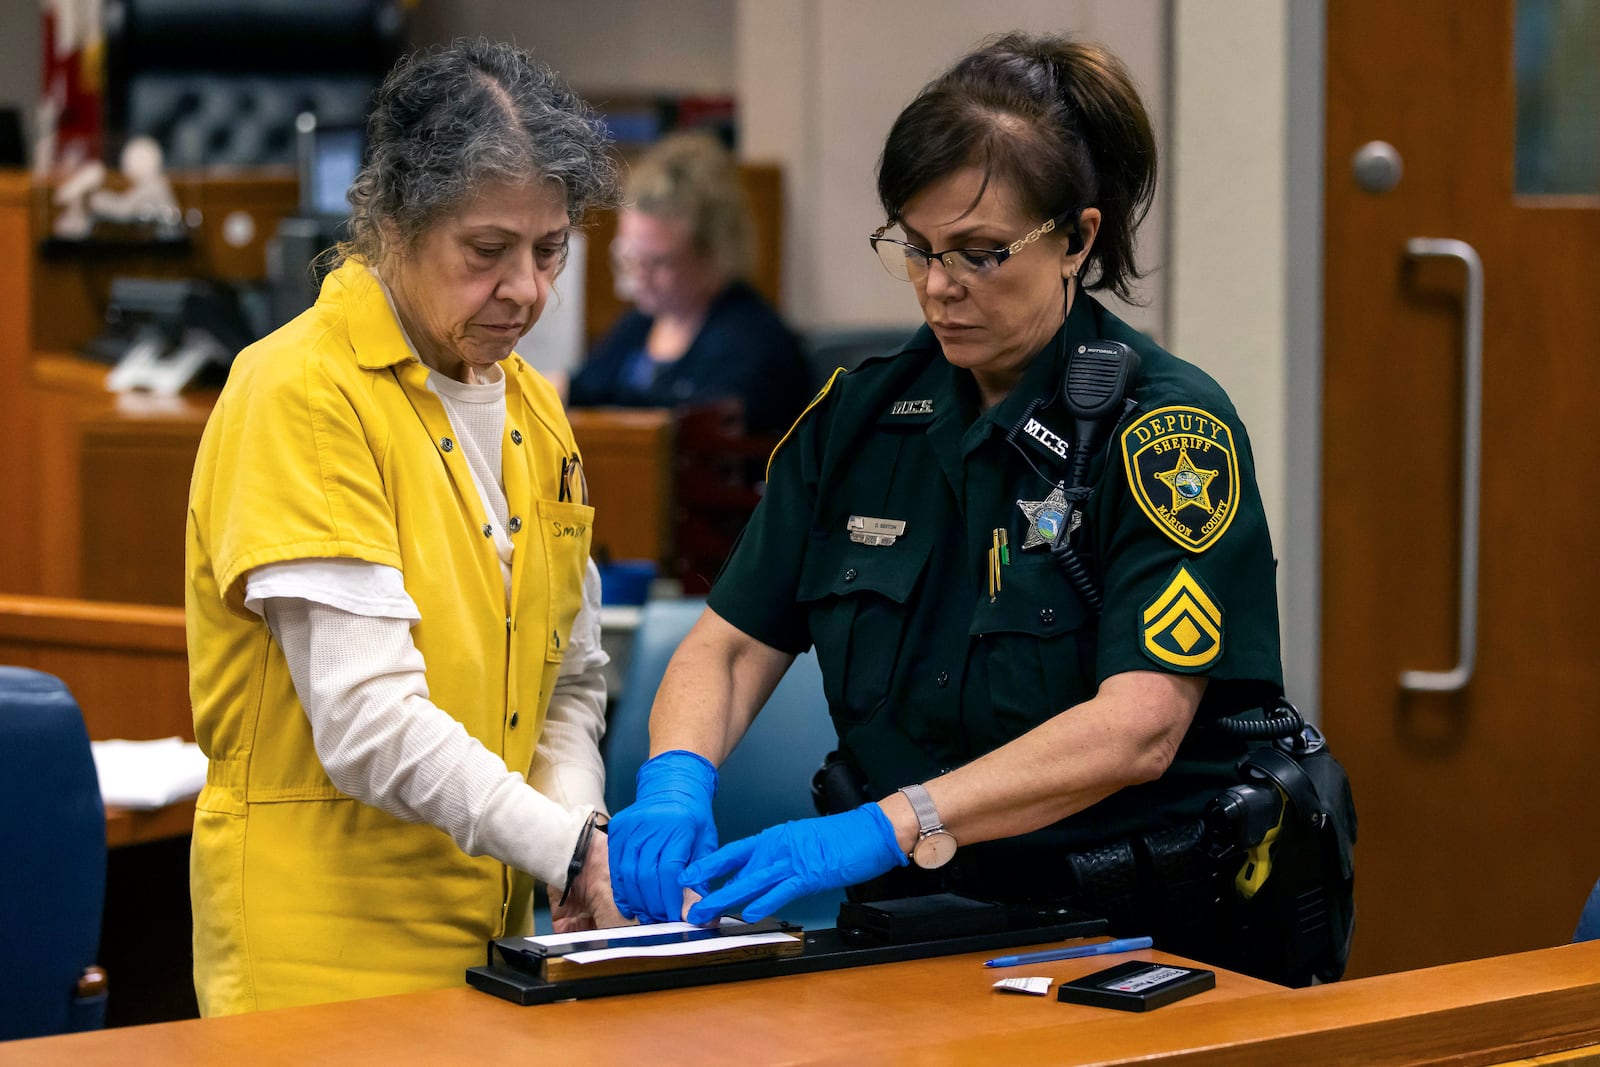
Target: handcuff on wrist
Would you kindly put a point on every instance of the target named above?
(580, 855)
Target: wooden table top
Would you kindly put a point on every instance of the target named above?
(925, 1012)
(129, 826)
(856, 1013)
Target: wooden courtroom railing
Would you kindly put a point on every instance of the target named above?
(137, 454)
(128, 668)
(136, 458)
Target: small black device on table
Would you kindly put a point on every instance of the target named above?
(1137, 985)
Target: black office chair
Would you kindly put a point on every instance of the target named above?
(52, 862)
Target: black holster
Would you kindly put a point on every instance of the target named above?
(1177, 884)
(838, 785)
(1297, 926)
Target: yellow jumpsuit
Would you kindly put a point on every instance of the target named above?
(326, 442)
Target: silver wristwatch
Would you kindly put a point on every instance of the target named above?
(935, 845)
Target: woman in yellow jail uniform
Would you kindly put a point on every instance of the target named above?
(392, 616)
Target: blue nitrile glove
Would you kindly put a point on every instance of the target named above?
(792, 860)
(668, 826)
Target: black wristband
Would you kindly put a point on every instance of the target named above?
(595, 821)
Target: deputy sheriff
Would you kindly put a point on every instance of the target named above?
(1021, 669)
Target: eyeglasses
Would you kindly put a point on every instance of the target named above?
(625, 260)
(965, 266)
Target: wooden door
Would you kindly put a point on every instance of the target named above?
(1480, 809)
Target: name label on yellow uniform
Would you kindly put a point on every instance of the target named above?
(1184, 473)
(1181, 628)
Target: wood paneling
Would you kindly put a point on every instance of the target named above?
(18, 472)
(58, 405)
(264, 198)
(127, 664)
(135, 465)
(627, 461)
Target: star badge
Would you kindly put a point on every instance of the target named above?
(1190, 485)
(1046, 517)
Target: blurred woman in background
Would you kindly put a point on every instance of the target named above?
(699, 332)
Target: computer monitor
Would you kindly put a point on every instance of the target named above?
(329, 158)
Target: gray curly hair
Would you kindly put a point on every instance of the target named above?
(449, 120)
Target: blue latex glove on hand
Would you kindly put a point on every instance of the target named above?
(786, 862)
(668, 826)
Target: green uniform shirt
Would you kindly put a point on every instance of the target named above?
(924, 669)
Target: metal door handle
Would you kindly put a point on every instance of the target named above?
(1471, 464)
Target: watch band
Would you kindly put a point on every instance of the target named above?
(928, 820)
(934, 845)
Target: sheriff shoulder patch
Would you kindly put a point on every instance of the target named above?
(1181, 628)
(1184, 473)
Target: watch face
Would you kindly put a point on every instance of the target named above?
(934, 850)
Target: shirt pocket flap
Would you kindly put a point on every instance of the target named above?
(565, 529)
(845, 568)
(1035, 598)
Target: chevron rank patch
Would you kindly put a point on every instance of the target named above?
(1181, 629)
(1184, 473)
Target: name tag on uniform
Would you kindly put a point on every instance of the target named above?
(865, 530)
(1046, 437)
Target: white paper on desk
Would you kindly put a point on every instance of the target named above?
(674, 948)
(148, 774)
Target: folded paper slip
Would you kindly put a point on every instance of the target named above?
(656, 947)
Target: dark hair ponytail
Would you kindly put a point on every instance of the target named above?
(1060, 120)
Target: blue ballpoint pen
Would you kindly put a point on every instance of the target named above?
(1104, 948)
